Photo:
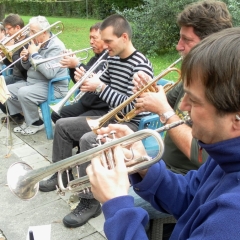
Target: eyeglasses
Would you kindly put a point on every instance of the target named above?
(8, 29)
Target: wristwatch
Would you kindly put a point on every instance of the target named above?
(165, 116)
(99, 88)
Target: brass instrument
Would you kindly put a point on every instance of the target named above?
(57, 107)
(24, 182)
(9, 50)
(95, 124)
(36, 62)
(16, 37)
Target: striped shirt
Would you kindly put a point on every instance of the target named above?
(118, 78)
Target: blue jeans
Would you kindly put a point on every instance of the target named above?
(139, 202)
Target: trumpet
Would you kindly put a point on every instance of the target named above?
(57, 107)
(36, 62)
(24, 182)
(95, 124)
(9, 50)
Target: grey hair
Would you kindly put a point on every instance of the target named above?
(41, 21)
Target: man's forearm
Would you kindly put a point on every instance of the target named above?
(181, 136)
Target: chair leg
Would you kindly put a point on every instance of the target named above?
(47, 119)
(156, 230)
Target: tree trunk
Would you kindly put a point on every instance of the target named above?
(2, 11)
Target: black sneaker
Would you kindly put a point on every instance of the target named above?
(15, 120)
(85, 210)
(51, 183)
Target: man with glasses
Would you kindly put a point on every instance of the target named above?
(12, 24)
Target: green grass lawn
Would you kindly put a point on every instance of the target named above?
(76, 36)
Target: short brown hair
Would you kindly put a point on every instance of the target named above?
(206, 17)
(119, 23)
(215, 61)
(13, 20)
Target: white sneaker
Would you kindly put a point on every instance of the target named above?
(30, 130)
(20, 128)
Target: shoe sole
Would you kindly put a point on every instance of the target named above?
(79, 225)
(46, 190)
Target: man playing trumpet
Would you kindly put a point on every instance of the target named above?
(90, 104)
(114, 87)
(205, 202)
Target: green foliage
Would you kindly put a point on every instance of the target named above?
(234, 9)
(154, 23)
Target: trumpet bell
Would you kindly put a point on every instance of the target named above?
(15, 173)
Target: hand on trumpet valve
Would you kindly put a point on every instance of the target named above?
(70, 61)
(91, 83)
(78, 74)
(140, 79)
(108, 183)
(155, 102)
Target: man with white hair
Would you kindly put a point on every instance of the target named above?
(26, 96)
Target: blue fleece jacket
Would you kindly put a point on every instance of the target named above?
(206, 202)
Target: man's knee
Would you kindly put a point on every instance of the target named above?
(55, 117)
(61, 124)
(23, 94)
(87, 141)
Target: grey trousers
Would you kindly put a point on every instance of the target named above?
(13, 79)
(73, 129)
(26, 97)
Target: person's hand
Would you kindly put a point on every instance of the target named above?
(108, 183)
(136, 148)
(33, 48)
(154, 100)
(91, 83)
(140, 79)
(24, 54)
(70, 61)
(79, 73)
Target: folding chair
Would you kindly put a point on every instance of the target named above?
(46, 113)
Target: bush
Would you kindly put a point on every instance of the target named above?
(154, 23)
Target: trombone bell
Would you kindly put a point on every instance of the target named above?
(14, 175)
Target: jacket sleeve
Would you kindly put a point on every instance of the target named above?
(123, 220)
(163, 188)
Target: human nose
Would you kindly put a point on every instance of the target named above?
(185, 105)
(180, 46)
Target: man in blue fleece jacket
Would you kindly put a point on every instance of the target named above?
(205, 202)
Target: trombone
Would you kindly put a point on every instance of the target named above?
(16, 37)
(57, 107)
(24, 182)
(9, 50)
(36, 62)
(95, 124)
